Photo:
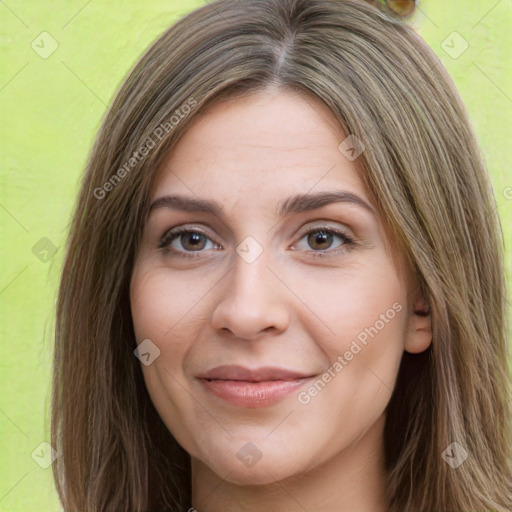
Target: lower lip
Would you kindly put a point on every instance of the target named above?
(252, 394)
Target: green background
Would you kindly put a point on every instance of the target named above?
(50, 111)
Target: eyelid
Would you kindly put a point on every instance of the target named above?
(349, 240)
(324, 224)
(173, 233)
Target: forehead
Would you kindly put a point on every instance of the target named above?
(269, 142)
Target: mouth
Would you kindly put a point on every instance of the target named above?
(252, 388)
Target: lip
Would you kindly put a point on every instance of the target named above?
(262, 373)
(252, 388)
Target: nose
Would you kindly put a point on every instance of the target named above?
(251, 301)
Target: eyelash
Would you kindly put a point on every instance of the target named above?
(169, 236)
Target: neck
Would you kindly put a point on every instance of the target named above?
(350, 481)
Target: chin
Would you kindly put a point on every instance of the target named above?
(249, 466)
(261, 474)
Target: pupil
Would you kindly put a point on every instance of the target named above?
(193, 239)
(319, 237)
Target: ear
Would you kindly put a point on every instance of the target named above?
(419, 326)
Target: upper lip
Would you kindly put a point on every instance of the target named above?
(260, 374)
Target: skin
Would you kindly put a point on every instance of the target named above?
(288, 308)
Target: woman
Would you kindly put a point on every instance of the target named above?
(284, 285)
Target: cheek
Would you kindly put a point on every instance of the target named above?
(162, 311)
(361, 333)
(361, 303)
(162, 306)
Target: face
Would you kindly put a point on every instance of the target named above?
(275, 315)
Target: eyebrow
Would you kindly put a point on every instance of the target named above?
(292, 205)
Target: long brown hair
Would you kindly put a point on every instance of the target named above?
(421, 164)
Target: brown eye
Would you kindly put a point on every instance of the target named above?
(325, 241)
(185, 241)
(320, 239)
(192, 241)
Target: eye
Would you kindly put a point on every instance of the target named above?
(322, 239)
(186, 241)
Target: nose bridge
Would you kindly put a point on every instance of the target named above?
(251, 301)
(251, 276)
